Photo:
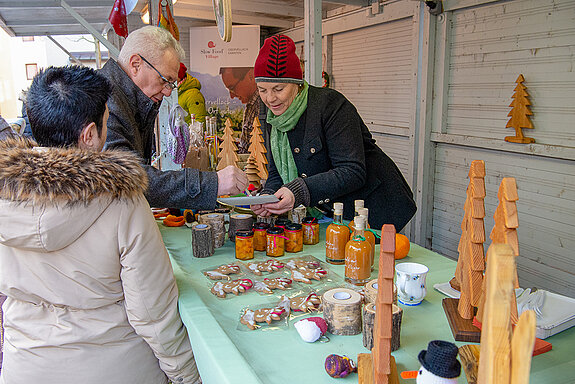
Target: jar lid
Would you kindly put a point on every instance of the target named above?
(309, 220)
(275, 231)
(293, 227)
(282, 222)
(261, 225)
(244, 233)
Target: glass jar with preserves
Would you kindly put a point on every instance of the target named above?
(244, 245)
(282, 223)
(275, 242)
(310, 230)
(294, 237)
(336, 237)
(357, 251)
(260, 234)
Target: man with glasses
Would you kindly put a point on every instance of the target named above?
(146, 71)
(241, 84)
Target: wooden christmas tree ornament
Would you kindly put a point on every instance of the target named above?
(519, 114)
(228, 150)
(379, 366)
(258, 150)
(471, 263)
(251, 171)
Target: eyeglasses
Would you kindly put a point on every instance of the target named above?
(233, 87)
(167, 83)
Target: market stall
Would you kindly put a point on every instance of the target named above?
(228, 352)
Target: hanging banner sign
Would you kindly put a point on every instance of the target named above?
(223, 68)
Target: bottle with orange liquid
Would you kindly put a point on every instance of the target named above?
(336, 237)
(357, 255)
(369, 236)
(358, 204)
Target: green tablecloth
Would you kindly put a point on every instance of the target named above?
(228, 354)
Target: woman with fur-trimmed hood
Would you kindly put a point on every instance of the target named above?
(91, 294)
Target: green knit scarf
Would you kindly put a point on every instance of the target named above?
(279, 142)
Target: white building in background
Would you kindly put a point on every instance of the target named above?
(22, 57)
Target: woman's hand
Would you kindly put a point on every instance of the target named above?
(259, 210)
(287, 200)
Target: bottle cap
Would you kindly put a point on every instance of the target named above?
(338, 208)
(358, 204)
(244, 233)
(359, 222)
(364, 212)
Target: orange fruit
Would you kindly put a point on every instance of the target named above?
(401, 246)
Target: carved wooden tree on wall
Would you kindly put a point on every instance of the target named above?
(471, 262)
(519, 114)
(228, 152)
(258, 150)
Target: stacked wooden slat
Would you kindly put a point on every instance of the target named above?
(471, 263)
(383, 313)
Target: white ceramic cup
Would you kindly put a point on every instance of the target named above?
(410, 283)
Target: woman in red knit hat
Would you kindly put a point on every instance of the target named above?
(320, 150)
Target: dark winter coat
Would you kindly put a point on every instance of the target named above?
(131, 127)
(339, 161)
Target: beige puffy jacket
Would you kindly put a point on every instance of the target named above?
(91, 293)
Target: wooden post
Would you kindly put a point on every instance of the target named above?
(494, 359)
(383, 306)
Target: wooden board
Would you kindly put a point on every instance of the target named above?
(365, 369)
(462, 329)
(469, 356)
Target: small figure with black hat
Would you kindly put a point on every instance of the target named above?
(439, 364)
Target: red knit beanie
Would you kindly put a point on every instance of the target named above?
(277, 62)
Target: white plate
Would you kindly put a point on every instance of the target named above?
(248, 200)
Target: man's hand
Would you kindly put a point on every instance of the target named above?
(231, 180)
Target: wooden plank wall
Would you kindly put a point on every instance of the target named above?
(486, 47)
(373, 68)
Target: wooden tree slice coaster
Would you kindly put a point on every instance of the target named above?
(462, 329)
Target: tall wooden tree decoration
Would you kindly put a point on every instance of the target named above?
(228, 149)
(505, 232)
(252, 172)
(471, 263)
(519, 114)
(258, 150)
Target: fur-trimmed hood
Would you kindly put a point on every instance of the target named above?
(50, 196)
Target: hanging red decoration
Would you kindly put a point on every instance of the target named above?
(118, 18)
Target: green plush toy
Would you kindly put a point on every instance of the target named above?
(191, 99)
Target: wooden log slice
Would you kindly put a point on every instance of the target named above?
(202, 240)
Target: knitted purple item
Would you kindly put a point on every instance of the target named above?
(339, 366)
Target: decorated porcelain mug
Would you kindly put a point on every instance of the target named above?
(410, 283)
